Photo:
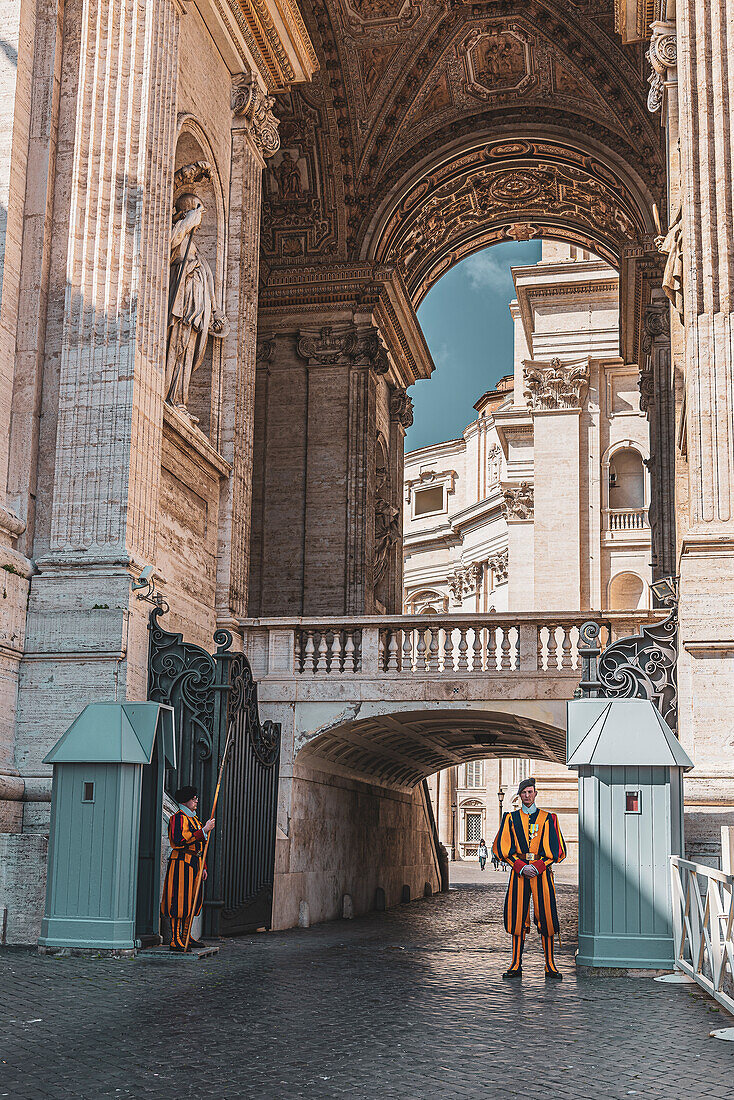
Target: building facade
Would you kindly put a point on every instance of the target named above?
(473, 542)
(220, 218)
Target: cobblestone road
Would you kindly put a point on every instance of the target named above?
(405, 1004)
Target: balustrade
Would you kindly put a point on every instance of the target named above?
(627, 519)
(442, 645)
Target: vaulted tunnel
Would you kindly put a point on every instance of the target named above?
(399, 750)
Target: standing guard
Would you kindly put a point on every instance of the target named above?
(187, 837)
(530, 840)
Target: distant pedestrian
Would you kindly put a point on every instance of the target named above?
(495, 862)
(482, 853)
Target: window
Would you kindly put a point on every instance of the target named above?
(632, 802)
(473, 827)
(428, 500)
(475, 773)
(626, 480)
(88, 792)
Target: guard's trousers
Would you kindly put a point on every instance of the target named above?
(520, 890)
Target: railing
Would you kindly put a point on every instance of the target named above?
(627, 519)
(434, 646)
(703, 927)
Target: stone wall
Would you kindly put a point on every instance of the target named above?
(347, 837)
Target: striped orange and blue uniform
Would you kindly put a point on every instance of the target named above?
(530, 838)
(186, 838)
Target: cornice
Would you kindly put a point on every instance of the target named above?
(268, 37)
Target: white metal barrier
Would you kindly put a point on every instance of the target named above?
(703, 927)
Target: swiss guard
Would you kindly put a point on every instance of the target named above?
(187, 837)
(530, 840)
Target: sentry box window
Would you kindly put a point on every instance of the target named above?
(633, 802)
(88, 792)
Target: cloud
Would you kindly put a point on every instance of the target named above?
(486, 272)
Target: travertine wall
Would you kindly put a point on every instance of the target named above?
(346, 837)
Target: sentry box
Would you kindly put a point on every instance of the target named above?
(630, 767)
(103, 884)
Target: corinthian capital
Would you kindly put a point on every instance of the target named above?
(555, 386)
(519, 501)
(401, 407)
(256, 108)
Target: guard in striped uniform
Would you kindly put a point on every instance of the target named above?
(187, 836)
(530, 840)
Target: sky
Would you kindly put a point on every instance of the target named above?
(469, 331)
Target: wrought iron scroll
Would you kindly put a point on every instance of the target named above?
(641, 666)
(212, 695)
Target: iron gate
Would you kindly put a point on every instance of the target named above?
(212, 695)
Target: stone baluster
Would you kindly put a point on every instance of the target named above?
(336, 652)
(506, 650)
(476, 660)
(407, 650)
(322, 658)
(567, 644)
(448, 651)
(392, 651)
(420, 661)
(349, 664)
(308, 659)
(463, 650)
(432, 662)
(542, 661)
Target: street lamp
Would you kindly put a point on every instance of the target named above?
(501, 799)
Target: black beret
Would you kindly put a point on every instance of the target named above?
(530, 782)
(185, 794)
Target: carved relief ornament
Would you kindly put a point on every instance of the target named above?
(555, 386)
(249, 102)
(519, 501)
(465, 581)
(331, 345)
(499, 564)
(401, 407)
(662, 55)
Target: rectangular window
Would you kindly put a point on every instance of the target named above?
(633, 802)
(88, 792)
(428, 500)
(475, 773)
(473, 827)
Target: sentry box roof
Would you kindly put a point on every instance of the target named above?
(116, 733)
(621, 732)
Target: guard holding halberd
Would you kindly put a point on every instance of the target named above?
(187, 836)
(530, 840)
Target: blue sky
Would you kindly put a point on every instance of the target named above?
(469, 330)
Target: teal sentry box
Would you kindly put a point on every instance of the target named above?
(102, 891)
(630, 767)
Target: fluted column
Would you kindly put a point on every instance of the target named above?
(254, 138)
(705, 52)
(100, 450)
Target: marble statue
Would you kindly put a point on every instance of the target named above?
(193, 314)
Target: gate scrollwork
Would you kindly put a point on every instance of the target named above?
(641, 666)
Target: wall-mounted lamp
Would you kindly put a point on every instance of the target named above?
(665, 591)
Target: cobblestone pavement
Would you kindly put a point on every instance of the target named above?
(405, 1004)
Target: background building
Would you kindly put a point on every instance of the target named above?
(566, 429)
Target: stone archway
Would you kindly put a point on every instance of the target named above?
(429, 132)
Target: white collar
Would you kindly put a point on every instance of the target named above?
(529, 810)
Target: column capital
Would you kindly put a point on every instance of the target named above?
(662, 55)
(401, 407)
(344, 343)
(251, 104)
(555, 385)
(518, 502)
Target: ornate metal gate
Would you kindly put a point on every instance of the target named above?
(212, 695)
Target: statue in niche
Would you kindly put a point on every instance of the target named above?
(671, 245)
(387, 519)
(290, 184)
(193, 314)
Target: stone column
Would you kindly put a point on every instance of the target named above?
(518, 510)
(254, 137)
(445, 812)
(554, 392)
(103, 371)
(657, 401)
(706, 669)
(401, 418)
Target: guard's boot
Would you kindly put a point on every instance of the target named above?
(550, 966)
(515, 970)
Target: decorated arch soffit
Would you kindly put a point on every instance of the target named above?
(436, 127)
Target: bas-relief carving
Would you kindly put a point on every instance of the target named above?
(499, 564)
(193, 314)
(662, 55)
(401, 407)
(671, 245)
(497, 61)
(518, 501)
(345, 344)
(249, 102)
(465, 581)
(555, 386)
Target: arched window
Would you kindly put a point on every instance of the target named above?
(627, 592)
(626, 480)
(426, 602)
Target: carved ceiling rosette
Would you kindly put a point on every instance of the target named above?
(554, 386)
(518, 502)
(249, 102)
